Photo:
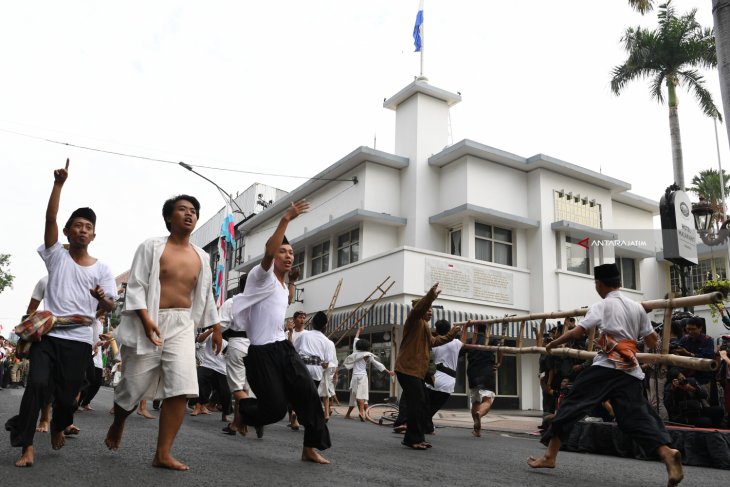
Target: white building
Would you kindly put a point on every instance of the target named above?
(501, 233)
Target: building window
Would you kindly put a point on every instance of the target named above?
(320, 258)
(577, 209)
(455, 242)
(299, 262)
(348, 247)
(493, 244)
(239, 248)
(576, 256)
(706, 269)
(627, 266)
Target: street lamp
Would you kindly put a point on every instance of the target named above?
(703, 213)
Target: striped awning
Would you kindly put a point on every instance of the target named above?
(395, 314)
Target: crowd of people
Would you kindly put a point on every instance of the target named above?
(254, 369)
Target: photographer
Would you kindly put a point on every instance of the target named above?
(723, 374)
(684, 398)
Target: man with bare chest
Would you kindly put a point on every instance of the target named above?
(169, 294)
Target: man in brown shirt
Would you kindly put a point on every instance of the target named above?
(411, 365)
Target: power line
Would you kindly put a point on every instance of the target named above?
(166, 161)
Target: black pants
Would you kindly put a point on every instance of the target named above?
(56, 369)
(436, 400)
(279, 377)
(92, 383)
(210, 380)
(634, 415)
(414, 390)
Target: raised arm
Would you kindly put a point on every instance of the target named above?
(50, 235)
(275, 241)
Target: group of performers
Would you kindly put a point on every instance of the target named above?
(169, 294)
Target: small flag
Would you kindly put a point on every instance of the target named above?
(226, 237)
(418, 28)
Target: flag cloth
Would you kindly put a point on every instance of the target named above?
(418, 28)
(228, 231)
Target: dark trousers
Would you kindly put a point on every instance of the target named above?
(414, 390)
(634, 415)
(56, 369)
(210, 380)
(92, 384)
(278, 377)
(436, 400)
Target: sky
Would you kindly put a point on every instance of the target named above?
(289, 88)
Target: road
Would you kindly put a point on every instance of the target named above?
(362, 454)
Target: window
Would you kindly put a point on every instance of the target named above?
(320, 258)
(493, 244)
(627, 266)
(348, 247)
(455, 242)
(576, 256)
(299, 262)
(705, 270)
(576, 209)
(239, 248)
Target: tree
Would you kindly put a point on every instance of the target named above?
(668, 56)
(721, 21)
(708, 185)
(6, 278)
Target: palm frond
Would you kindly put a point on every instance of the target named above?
(642, 6)
(696, 84)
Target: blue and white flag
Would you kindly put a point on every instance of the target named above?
(418, 28)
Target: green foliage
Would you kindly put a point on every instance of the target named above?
(707, 184)
(642, 6)
(717, 285)
(6, 278)
(669, 57)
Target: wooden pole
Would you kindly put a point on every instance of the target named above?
(678, 360)
(522, 333)
(667, 331)
(365, 313)
(700, 299)
(541, 332)
(352, 313)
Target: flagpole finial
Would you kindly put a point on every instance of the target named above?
(422, 78)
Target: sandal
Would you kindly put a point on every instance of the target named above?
(228, 430)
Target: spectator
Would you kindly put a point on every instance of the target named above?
(685, 398)
(697, 344)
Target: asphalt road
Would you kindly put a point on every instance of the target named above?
(362, 454)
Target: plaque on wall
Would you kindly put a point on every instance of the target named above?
(470, 281)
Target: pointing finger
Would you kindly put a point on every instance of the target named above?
(67, 163)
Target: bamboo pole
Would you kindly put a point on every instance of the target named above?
(678, 360)
(365, 313)
(352, 313)
(667, 331)
(522, 333)
(541, 332)
(710, 298)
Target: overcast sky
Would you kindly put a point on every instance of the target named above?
(289, 87)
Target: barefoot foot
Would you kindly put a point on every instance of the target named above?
(58, 439)
(26, 459)
(42, 427)
(145, 414)
(114, 436)
(673, 461)
(542, 462)
(169, 462)
(312, 455)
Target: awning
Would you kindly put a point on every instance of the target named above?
(395, 314)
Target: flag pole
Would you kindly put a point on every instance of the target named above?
(422, 42)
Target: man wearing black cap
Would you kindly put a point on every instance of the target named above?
(78, 285)
(273, 367)
(615, 375)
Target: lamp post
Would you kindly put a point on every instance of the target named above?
(703, 213)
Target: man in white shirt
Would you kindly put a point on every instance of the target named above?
(314, 349)
(276, 373)
(78, 284)
(446, 358)
(169, 294)
(212, 376)
(615, 375)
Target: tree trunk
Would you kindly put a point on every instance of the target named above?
(674, 135)
(721, 18)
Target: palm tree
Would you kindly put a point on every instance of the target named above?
(721, 21)
(708, 184)
(668, 55)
